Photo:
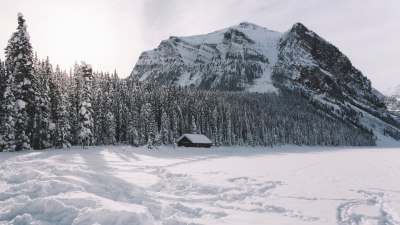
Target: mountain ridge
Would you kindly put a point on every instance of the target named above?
(222, 51)
(247, 57)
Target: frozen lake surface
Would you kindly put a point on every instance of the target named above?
(236, 185)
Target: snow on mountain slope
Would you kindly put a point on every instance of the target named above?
(393, 91)
(315, 67)
(236, 58)
(253, 58)
(392, 100)
(166, 186)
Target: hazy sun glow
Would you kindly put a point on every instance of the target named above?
(111, 34)
(96, 31)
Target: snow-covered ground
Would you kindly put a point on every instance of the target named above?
(125, 185)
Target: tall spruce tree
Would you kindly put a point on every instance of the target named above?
(7, 109)
(61, 133)
(19, 65)
(108, 117)
(74, 90)
(3, 79)
(42, 124)
(85, 131)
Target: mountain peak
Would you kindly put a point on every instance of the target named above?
(248, 24)
(299, 27)
(252, 58)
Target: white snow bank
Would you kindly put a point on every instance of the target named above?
(225, 185)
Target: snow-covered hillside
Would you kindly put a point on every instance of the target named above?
(393, 91)
(125, 185)
(235, 58)
(393, 101)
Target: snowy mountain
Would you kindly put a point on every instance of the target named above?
(319, 70)
(392, 100)
(236, 58)
(393, 91)
(253, 58)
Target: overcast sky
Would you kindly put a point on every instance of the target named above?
(111, 34)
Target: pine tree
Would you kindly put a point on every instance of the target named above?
(215, 126)
(85, 134)
(19, 64)
(98, 108)
(3, 79)
(150, 126)
(174, 134)
(228, 127)
(165, 126)
(43, 125)
(7, 126)
(61, 132)
(193, 127)
(75, 88)
(109, 124)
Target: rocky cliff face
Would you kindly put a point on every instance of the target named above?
(249, 57)
(309, 63)
(236, 58)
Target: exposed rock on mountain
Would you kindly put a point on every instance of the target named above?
(236, 58)
(314, 66)
(253, 58)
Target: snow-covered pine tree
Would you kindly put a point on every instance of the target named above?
(98, 108)
(115, 105)
(119, 109)
(193, 127)
(61, 132)
(228, 127)
(85, 134)
(19, 63)
(43, 125)
(150, 126)
(214, 119)
(3, 79)
(54, 100)
(7, 125)
(165, 127)
(109, 124)
(74, 91)
(174, 134)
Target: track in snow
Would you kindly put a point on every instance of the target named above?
(123, 185)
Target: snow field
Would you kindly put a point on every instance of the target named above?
(237, 185)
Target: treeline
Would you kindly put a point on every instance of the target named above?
(45, 107)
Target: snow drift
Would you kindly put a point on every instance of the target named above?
(125, 185)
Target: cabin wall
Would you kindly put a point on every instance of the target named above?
(187, 143)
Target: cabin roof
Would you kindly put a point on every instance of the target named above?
(196, 138)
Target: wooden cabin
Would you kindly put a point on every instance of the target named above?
(194, 140)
